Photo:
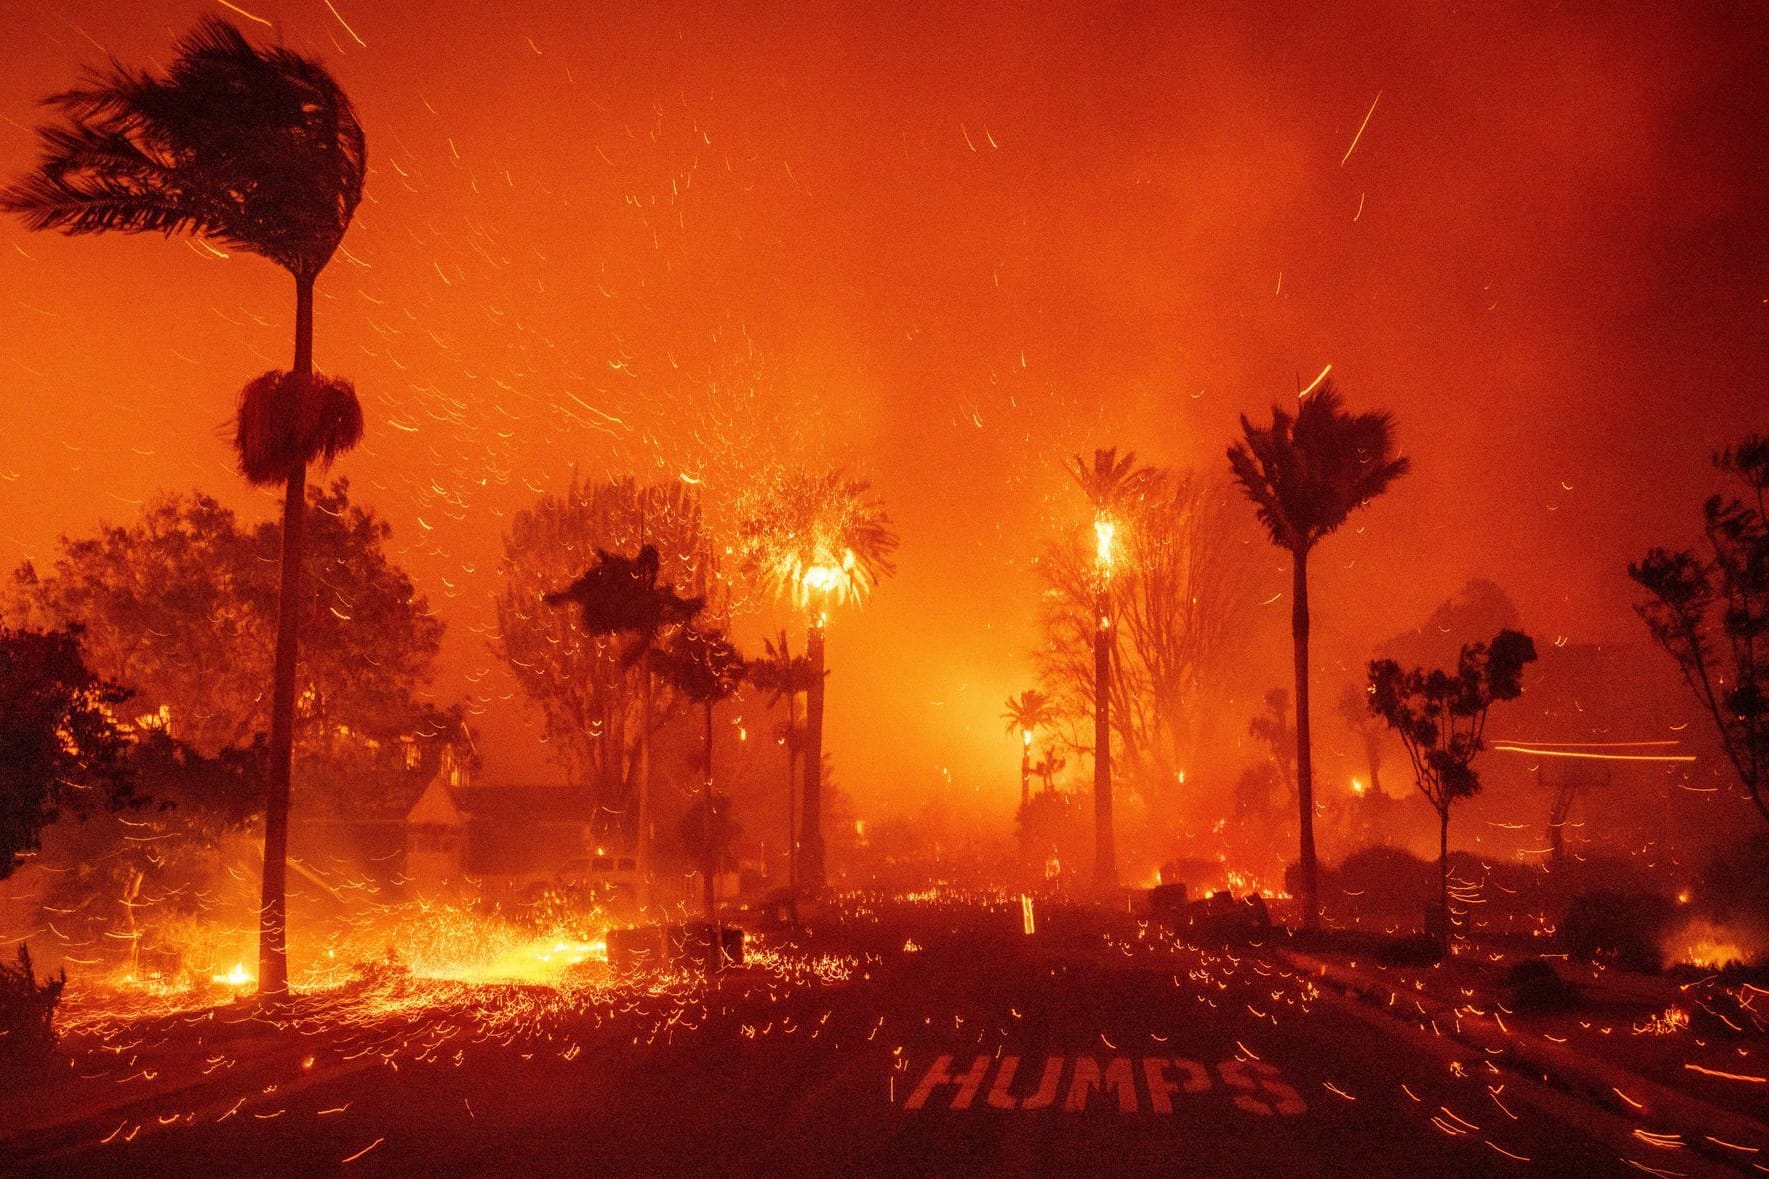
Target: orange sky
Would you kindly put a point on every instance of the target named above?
(947, 250)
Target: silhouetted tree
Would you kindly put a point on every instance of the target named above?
(706, 668)
(1272, 728)
(585, 689)
(622, 596)
(1026, 714)
(180, 606)
(60, 751)
(1354, 710)
(1441, 717)
(815, 541)
(260, 150)
(1710, 610)
(1305, 475)
(785, 676)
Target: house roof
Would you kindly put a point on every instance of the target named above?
(454, 806)
(535, 804)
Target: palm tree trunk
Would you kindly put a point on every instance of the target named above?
(711, 866)
(1311, 907)
(642, 851)
(811, 866)
(1105, 858)
(1025, 776)
(792, 801)
(273, 958)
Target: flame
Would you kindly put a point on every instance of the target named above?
(1103, 529)
(1709, 946)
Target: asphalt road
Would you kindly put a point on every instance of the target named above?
(1131, 1057)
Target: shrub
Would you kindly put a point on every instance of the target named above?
(1534, 985)
(1384, 878)
(1625, 929)
(27, 1012)
(1415, 949)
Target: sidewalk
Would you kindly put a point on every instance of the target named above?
(1608, 1050)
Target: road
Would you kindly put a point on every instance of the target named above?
(1129, 1056)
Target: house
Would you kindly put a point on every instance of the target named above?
(493, 842)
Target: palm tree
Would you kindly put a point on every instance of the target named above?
(1305, 474)
(621, 595)
(784, 675)
(706, 668)
(261, 151)
(1026, 714)
(816, 541)
(1110, 484)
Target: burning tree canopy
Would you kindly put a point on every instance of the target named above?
(180, 606)
(815, 540)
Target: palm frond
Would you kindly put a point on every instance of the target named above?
(259, 149)
(1306, 474)
(282, 421)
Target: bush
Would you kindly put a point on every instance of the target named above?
(1415, 949)
(1380, 878)
(27, 1012)
(1624, 929)
(1534, 985)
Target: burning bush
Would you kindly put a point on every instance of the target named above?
(1626, 929)
(27, 1012)
(1706, 945)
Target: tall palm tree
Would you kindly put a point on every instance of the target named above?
(1111, 484)
(785, 676)
(1305, 474)
(706, 668)
(1026, 714)
(621, 595)
(261, 151)
(816, 541)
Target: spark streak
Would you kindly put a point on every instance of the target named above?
(1360, 129)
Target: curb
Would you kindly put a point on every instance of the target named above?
(1594, 1079)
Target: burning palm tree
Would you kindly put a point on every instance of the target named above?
(817, 541)
(1111, 484)
(1026, 714)
(1305, 474)
(261, 151)
(621, 595)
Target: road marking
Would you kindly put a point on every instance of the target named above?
(1256, 1087)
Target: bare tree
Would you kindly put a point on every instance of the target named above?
(588, 696)
(1184, 591)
